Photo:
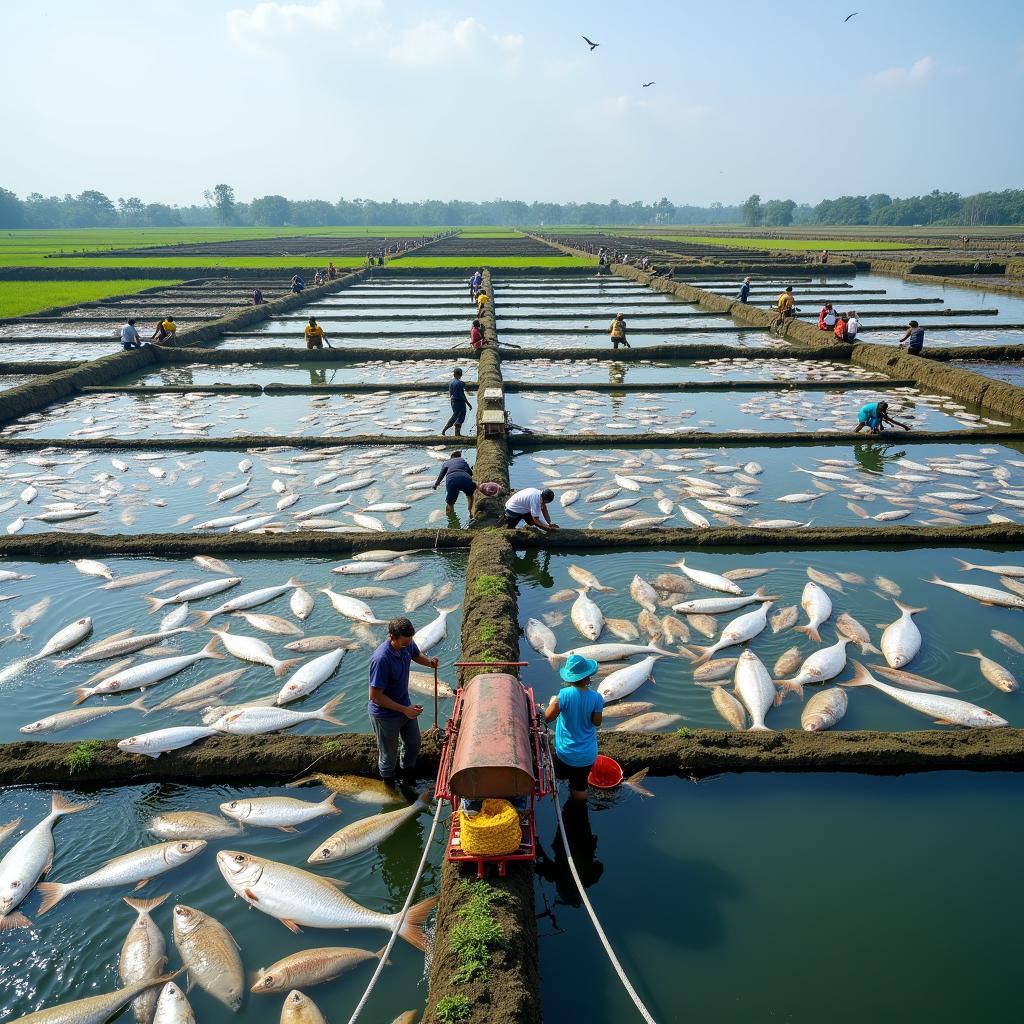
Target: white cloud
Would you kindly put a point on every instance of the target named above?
(920, 71)
(361, 23)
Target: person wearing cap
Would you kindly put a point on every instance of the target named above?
(913, 338)
(744, 290)
(617, 331)
(314, 335)
(392, 713)
(576, 711)
(459, 403)
(458, 479)
(530, 505)
(874, 415)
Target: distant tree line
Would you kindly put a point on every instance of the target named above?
(92, 209)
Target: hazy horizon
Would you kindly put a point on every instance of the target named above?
(375, 99)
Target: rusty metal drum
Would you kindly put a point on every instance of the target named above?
(493, 752)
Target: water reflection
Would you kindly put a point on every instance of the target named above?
(872, 456)
(582, 846)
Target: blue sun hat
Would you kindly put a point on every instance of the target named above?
(577, 668)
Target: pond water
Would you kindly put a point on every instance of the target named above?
(158, 492)
(949, 623)
(57, 351)
(45, 688)
(72, 952)
(668, 412)
(253, 342)
(741, 870)
(1011, 373)
(383, 372)
(740, 338)
(600, 371)
(931, 484)
(198, 414)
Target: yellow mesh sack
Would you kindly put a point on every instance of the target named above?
(492, 832)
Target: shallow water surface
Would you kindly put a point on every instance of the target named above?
(742, 898)
(949, 623)
(72, 952)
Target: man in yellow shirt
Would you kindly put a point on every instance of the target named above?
(165, 330)
(481, 302)
(617, 331)
(786, 304)
(315, 336)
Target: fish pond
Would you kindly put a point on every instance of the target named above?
(37, 689)
(199, 414)
(879, 479)
(1010, 372)
(159, 492)
(72, 951)
(872, 582)
(742, 872)
(669, 412)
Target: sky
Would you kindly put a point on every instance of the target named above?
(480, 100)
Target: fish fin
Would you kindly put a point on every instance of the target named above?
(412, 929)
(329, 804)
(59, 803)
(425, 796)
(906, 609)
(284, 667)
(787, 686)
(861, 676)
(964, 566)
(16, 920)
(138, 705)
(634, 783)
(142, 884)
(141, 905)
(82, 693)
(155, 603)
(810, 631)
(944, 721)
(204, 617)
(188, 983)
(210, 650)
(972, 654)
(52, 893)
(327, 711)
(869, 649)
(250, 895)
(379, 953)
(341, 883)
(762, 596)
(290, 925)
(287, 828)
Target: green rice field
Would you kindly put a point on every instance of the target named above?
(20, 297)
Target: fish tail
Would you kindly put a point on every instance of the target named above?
(16, 920)
(691, 654)
(379, 954)
(446, 611)
(412, 929)
(964, 566)
(155, 603)
(787, 686)
(972, 654)
(868, 648)
(305, 780)
(811, 631)
(295, 582)
(604, 590)
(58, 664)
(634, 783)
(282, 668)
(204, 617)
(426, 794)
(138, 705)
(329, 804)
(861, 676)
(907, 610)
(52, 893)
(60, 804)
(760, 728)
(210, 650)
(145, 905)
(326, 713)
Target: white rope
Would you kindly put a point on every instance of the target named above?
(401, 917)
(638, 1002)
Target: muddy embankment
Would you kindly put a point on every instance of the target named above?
(956, 275)
(270, 354)
(263, 442)
(507, 994)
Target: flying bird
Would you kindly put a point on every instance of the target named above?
(849, 16)
(593, 46)
(646, 84)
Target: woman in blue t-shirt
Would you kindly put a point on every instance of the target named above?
(578, 710)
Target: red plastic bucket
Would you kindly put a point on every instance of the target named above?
(606, 773)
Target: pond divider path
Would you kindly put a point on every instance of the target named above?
(507, 993)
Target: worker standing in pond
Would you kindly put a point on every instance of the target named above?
(913, 338)
(744, 291)
(458, 479)
(530, 505)
(460, 403)
(617, 332)
(392, 713)
(315, 336)
(874, 415)
(576, 711)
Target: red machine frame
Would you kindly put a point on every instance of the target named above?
(543, 781)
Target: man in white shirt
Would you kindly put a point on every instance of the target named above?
(530, 505)
(130, 336)
(852, 326)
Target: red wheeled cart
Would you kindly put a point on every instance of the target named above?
(495, 746)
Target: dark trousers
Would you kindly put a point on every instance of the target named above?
(398, 744)
(458, 416)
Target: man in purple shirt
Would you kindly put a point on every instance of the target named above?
(392, 713)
